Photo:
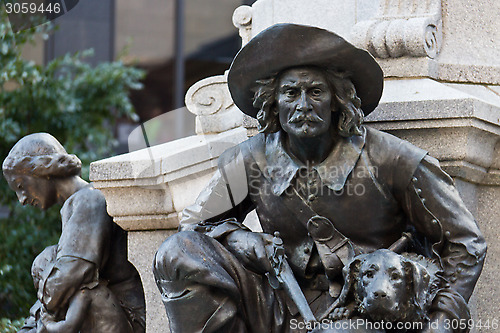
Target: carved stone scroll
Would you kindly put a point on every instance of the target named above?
(211, 102)
(402, 28)
(242, 19)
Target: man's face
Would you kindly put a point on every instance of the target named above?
(304, 102)
(34, 191)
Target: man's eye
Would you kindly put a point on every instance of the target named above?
(369, 274)
(290, 93)
(316, 92)
(396, 276)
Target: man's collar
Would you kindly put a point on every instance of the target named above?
(281, 168)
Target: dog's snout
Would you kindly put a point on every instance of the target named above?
(379, 294)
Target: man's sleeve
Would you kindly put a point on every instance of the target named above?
(435, 208)
(223, 204)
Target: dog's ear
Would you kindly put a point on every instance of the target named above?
(351, 275)
(418, 280)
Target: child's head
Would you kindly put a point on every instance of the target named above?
(40, 264)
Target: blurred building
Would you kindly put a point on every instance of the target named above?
(177, 42)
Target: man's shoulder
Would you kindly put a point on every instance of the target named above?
(247, 149)
(379, 138)
(398, 158)
(390, 147)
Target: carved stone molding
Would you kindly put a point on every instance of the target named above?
(242, 19)
(459, 129)
(148, 203)
(402, 28)
(211, 102)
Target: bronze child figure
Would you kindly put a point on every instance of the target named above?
(92, 309)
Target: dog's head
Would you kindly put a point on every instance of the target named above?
(387, 286)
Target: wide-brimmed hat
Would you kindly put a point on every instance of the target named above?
(283, 46)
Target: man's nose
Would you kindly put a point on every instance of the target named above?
(303, 104)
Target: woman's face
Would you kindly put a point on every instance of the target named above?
(34, 191)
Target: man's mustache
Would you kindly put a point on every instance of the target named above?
(299, 117)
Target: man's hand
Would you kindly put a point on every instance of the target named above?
(437, 323)
(250, 249)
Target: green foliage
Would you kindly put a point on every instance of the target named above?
(10, 326)
(76, 103)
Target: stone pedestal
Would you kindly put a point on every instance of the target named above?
(147, 189)
(418, 44)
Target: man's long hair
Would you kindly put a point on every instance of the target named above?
(349, 116)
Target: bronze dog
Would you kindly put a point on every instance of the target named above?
(391, 287)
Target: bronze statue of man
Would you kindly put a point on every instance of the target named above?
(330, 186)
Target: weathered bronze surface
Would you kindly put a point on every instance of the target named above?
(335, 191)
(89, 274)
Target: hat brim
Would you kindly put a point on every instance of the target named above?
(285, 46)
